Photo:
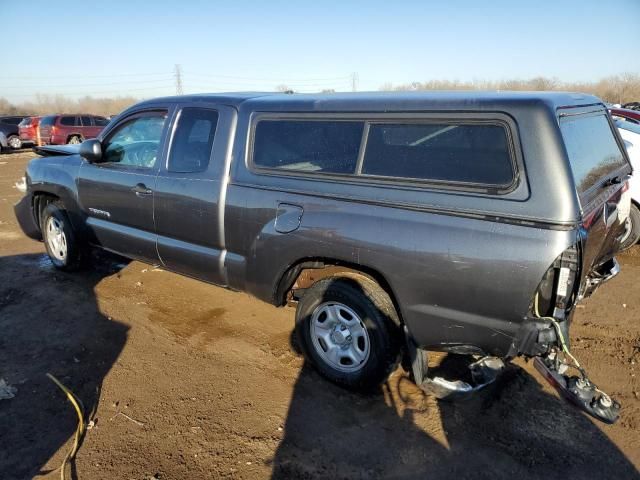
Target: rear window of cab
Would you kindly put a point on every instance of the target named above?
(461, 152)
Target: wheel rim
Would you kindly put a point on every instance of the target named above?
(628, 227)
(339, 337)
(15, 143)
(56, 239)
(74, 140)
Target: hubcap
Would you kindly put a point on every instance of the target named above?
(74, 140)
(56, 239)
(340, 337)
(15, 143)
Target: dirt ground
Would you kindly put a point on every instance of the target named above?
(186, 380)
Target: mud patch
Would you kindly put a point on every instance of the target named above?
(208, 326)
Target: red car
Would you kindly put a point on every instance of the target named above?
(27, 129)
(70, 128)
(632, 115)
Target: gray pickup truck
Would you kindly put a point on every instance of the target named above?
(469, 223)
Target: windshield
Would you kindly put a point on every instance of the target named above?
(594, 153)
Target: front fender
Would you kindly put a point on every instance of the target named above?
(57, 176)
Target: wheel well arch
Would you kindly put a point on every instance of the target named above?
(40, 201)
(306, 271)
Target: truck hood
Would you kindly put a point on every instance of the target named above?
(57, 150)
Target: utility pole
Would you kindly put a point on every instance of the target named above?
(178, 77)
(354, 81)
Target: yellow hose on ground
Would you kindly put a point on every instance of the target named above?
(77, 405)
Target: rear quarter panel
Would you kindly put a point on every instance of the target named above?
(457, 280)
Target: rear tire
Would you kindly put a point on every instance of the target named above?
(633, 229)
(63, 245)
(348, 328)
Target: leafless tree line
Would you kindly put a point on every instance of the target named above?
(46, 104)
(621, 88)
(615, 89)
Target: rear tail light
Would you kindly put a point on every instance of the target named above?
(558, 290)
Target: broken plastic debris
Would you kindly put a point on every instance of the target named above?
(6, 390)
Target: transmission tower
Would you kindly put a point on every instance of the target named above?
(354, 81)
(178, 77)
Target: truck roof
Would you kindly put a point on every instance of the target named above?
(361, 101)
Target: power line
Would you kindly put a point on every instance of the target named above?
(167, 78)
(3, 77)
(91, 92)
(272, 79)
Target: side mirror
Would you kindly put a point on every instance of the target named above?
(91, 150)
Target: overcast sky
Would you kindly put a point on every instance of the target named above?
(130, 47)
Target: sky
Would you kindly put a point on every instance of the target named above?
(129, 47)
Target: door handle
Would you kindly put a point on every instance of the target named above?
(141, 190)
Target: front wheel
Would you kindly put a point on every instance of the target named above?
(62, 243)
(348, 329)
(14, 142)
(632, 232)
(75, 140)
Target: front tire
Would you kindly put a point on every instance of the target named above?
(632, 234)
(62, 243)
(349, 330)
(14, 142)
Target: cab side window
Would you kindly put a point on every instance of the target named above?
(193, 140)
(135, 142)
(69, 121)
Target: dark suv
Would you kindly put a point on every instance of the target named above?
(470, 222)
(74, 129)
(9, 132)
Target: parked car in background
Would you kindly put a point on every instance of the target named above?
(70, 128)
(9, 132)
(632, 105)
(27, 130)
(630, 115)
(467, 222)
(630, 133)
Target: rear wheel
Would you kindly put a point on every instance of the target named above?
(14, 142)
(348, 329)
(63, 246)
(74, 140)
(632, 232)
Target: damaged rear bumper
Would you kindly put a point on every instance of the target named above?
(598, 276)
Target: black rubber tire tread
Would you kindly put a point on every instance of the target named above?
(378, 313)
(634, 236)
(76, 250)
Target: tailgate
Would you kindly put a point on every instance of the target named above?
(600, 168)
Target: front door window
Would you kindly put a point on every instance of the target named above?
(135, 143)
